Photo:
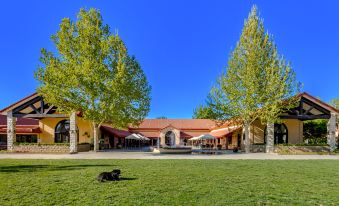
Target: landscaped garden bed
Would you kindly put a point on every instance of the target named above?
(302, 149)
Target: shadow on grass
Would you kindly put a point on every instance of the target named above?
(31, 168)
(127, 178)
(121, 179)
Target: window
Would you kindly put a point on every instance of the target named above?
(61, 133)
(26, 138)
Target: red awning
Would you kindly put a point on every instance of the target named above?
(223, 132)
(115, 132)
(25, 129)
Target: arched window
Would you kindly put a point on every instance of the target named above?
(61, 132)
(280, 134)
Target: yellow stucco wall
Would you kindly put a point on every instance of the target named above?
(295, 131)
(294, 127)
(47, 126)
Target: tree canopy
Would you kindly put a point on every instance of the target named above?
(92, 72)
(258, 82)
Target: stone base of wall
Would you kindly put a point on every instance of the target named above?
(255, 148)
(53, 148)
(84, 147)
(301, 149)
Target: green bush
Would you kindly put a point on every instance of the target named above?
(315, 131)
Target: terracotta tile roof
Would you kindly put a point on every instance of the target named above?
(23, 125)
(149, 134)
(177, 123)
(115, 132)
(20, 121)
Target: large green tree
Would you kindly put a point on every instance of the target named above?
(207, 111)
(92, 72)
(258, 82)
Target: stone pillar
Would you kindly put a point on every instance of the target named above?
(270, 138)
(11, 131)
(73, 140)
(331, 141)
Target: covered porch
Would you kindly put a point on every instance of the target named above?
(267, 138)
(34, 107)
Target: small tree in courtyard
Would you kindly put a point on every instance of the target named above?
(92, 72)
(258, 82)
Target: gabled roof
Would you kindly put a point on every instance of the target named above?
(204, 124)
(319, 102)
(10, 107)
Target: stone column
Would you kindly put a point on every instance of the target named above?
(331, 132)
(73, 140)
(11, 131)
(270, 138)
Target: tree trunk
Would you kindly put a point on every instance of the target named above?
(95, 136)
(247, 137)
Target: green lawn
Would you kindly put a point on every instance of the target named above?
(170, 182)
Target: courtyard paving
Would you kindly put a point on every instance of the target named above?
(150, 155)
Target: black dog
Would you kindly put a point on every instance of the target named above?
(109, 176)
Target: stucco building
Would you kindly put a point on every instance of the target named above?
(33, 123)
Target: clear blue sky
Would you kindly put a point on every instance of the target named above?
(182, 45)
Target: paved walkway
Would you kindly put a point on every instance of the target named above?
(149, 155)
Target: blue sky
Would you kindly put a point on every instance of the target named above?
(182, 45)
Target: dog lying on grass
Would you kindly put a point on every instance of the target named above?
(109, 176)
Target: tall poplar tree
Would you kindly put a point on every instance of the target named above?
(92, 72)
(258, 82)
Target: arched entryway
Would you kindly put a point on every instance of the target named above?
(170, 138)
(61, 132)
(280, 134)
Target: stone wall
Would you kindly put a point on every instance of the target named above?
(84, 147)
(258, 148)
(38, 148)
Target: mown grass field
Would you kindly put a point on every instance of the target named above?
(170, 182)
